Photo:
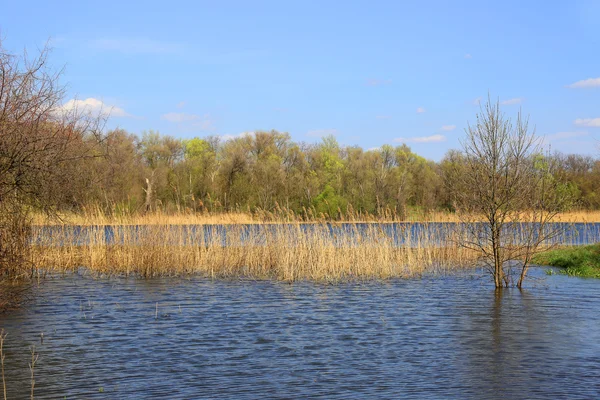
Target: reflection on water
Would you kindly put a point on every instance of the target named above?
(444, 337)
(401, 233)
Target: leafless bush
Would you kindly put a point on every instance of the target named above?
(39, 140)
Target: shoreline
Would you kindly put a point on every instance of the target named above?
(582, 217)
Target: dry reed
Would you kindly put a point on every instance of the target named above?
(289, 252)
(2, 337)
(34, 358)
(95, 216)
(263, 245)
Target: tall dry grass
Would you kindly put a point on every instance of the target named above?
(289, 252)
(263, 245)
(95, 216)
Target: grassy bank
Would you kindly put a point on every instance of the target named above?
(583, 261)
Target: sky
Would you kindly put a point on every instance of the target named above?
(368, 72)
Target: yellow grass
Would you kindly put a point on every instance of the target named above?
(579, 216)
(260, 246)
(157, 218)
(96, 217)
(284, 252)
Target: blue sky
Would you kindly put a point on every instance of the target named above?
(369, 72)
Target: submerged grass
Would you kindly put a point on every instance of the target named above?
(583, 261)
(13, 293)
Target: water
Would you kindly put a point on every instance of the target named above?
(431, 338)
(401, 233)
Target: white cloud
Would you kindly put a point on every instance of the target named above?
(137, 46)
(420, 110)
(322, 132)
(585, 83)
(422, 139)
(565, 135)
(239, 135)
(467, 56)
(191, 121)
(516, 100)
(448, 128)
(378, 82)
(95, 107)
(383, 116)
(591, 122)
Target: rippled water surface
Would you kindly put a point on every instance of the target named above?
(440, 337)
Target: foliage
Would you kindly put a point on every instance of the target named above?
(267, 170)
(583, 261)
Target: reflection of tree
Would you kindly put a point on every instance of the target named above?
(513, 342)
(497, 366)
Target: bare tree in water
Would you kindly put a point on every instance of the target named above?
(506, 194)
(39, 142)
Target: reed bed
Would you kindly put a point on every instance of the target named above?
(284, 248)
(288, 252)
(95, 216)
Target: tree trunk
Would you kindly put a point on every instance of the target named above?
(148, 190)
(523, 274)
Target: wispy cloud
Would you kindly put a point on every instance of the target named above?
(420, 110)
(448, 128)
(181, 104)
(422, 139)
(179, 117)
(137, 46)
(322, 132)
(564, 135)
(95, 107)
(378, 82)
(585, 83)
(190, 121)
(239, 135)
(516, 100)
(591, 122)
(383, 116)
(468, 56)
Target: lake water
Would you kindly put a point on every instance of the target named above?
(400, 233)
(431, 338)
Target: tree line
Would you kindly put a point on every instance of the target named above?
(268, 171)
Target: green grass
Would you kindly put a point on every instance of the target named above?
(583, 261)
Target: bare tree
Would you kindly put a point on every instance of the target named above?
(506, 194)
(39, 141)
